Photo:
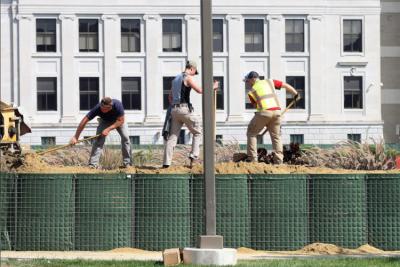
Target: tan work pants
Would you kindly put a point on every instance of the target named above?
(271, 119)
(180, 116)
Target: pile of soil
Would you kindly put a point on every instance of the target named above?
(329, 249)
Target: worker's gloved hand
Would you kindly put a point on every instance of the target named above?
(296, 97)
(73, 140)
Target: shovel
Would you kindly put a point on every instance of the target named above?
(68, 145)
(286, 109)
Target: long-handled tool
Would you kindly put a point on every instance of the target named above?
(286, 109)
(68, 145)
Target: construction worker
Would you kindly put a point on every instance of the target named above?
(182, 112)
(268, 114)
(112, 116)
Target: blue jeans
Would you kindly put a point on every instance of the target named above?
(98, 144)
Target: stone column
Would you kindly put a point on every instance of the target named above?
(27, 83)
(193, 37)
(111, 75)
(153, 93)
(69, 91)
(317, 88)
(235, 86)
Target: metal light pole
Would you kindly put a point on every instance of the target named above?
(210, 240)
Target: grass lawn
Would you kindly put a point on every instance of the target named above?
(381, 262)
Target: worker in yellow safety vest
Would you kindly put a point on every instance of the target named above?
(268, 114)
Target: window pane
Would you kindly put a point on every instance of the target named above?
(46, 35)
(88, 92)
(353, 92)
(46, 93)
(294, 35)
(254, 35)
(352, 36)
(131, 93)
(172, 35)
(220, 93)
(167, 84)
(88, 35)
(130, 35)
(298, 82)
(217, 35)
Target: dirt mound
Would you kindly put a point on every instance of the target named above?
(131, 250)
(322, 248)
(369, 249)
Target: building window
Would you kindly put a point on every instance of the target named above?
(220, 92)
(294, 29)
(297, 138)
(353, 92)
(172, 35)
(88, 35)
(131, 93)
(130, 35)
(48, 140)
(181, 137)
(352, 35)
(219, 139)
(248, 103)
(218, 35)
(254, 35)
(88, 92)
(134, 139)
(260, 139)
(354, 137)
(167, 85)
(46, 93)
(298, 82)
(46, 35)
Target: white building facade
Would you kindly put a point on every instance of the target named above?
(59, 58)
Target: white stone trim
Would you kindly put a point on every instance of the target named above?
(24, 16)
(192, 17)
(109, 17)
(151, 17)
(391, 96)
(67, 17)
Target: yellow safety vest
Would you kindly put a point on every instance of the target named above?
(263, 93)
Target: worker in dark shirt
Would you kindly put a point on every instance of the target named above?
(112, 116)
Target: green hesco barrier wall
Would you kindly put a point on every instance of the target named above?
(279, 211)
(338, 209)
(103, 211)
(233, 212)
(44, 216)
(6, 191)
(162, 211)
(383, 191)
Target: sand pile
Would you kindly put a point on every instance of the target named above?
(329, 249)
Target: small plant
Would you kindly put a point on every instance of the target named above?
(351, 155)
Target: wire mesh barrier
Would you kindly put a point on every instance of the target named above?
(103, 211)
(383, 198)
(338, 209)
(158, 211)
(279, 211)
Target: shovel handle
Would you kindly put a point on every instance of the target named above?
(68, 145)
(286, 109)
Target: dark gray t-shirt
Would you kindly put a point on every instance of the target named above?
(111, 116)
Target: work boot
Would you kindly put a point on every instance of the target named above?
(192, 159)
(165, 166)
(92, 166)
(125, 165)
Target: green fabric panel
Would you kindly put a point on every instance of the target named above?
(233, 212)
(338, 209)
(6, 204)
(45, 212)
(279, 211)
(103, 211)
(383, 191)
(162, 211)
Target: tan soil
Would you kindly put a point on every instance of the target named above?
(34, 163)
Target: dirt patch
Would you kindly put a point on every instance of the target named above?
(132, 250)
(322, 248)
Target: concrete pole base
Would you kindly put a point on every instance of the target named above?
(209, 256)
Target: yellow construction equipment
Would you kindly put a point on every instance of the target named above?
(12, 126)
